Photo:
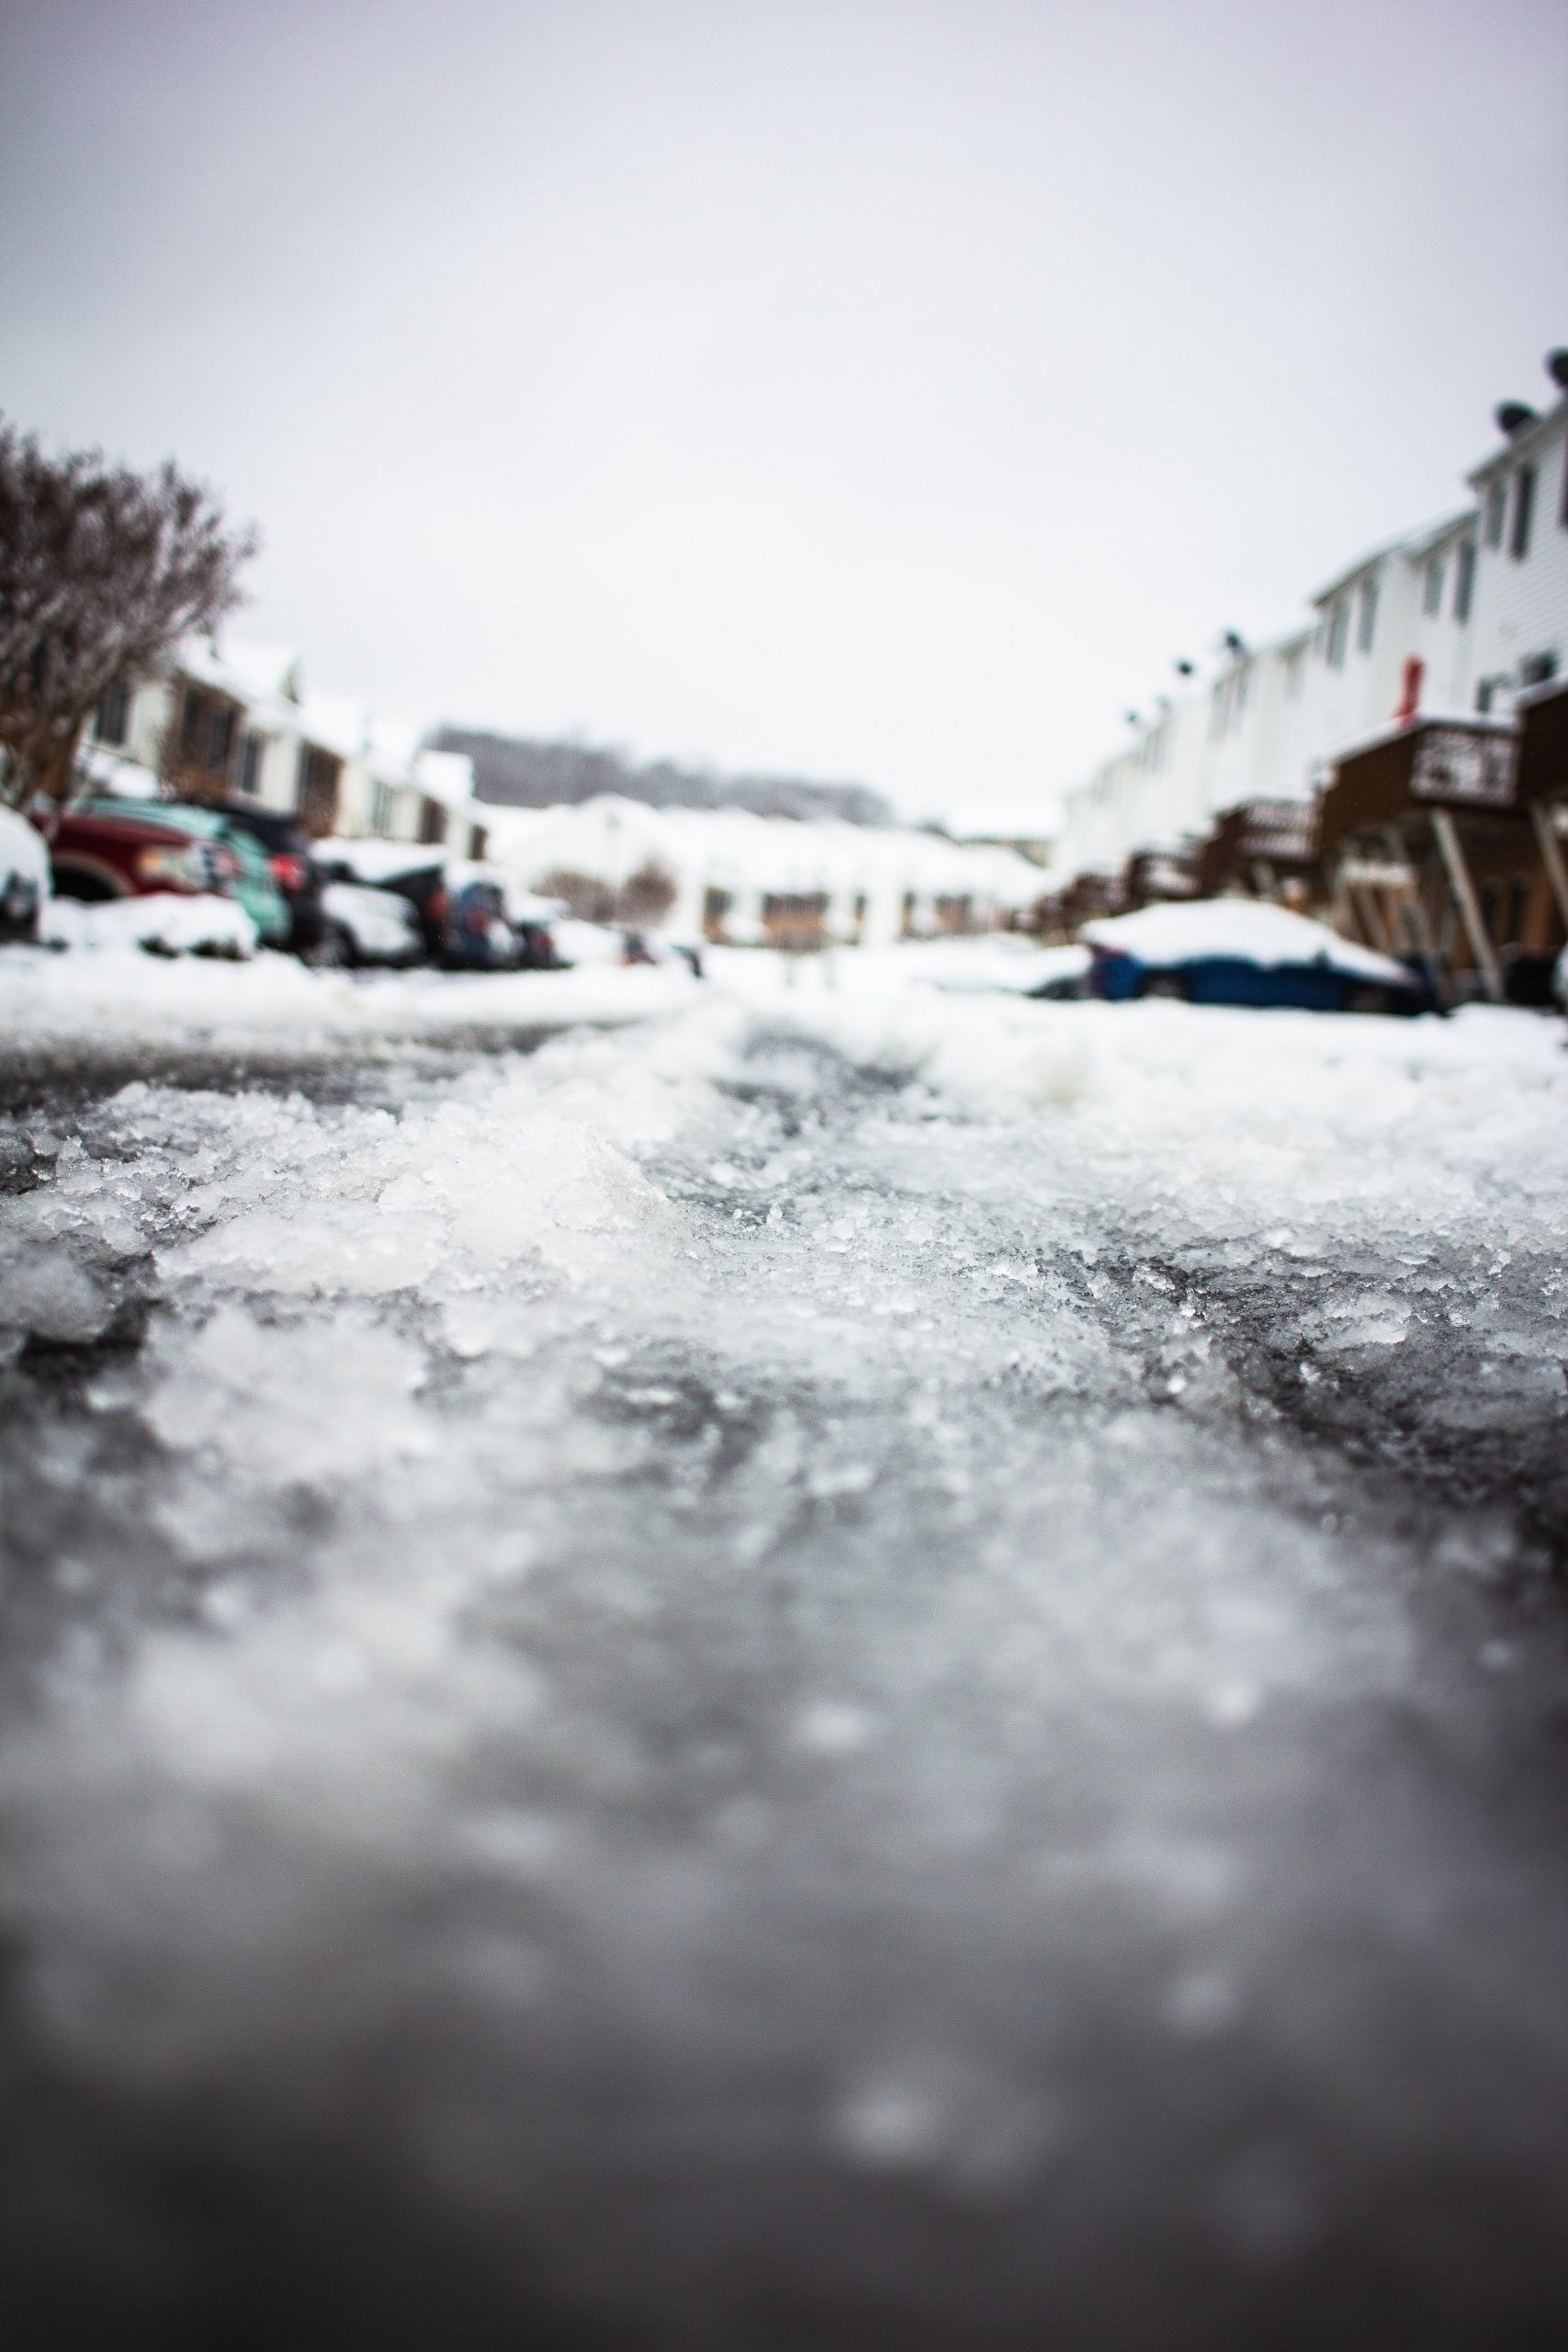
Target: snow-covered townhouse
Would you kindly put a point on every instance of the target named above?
(235, 717)
(1461, 618)
(1520, 629)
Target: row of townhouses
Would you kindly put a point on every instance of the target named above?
(235, 720)
(1466, 618)
(746, 880)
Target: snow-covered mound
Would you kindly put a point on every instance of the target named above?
(1001, 961)
(375, 861)
(1249, 929)
(80, 1006)
(166, 922)
(24, 853)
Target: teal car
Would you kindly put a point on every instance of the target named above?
(99, 833)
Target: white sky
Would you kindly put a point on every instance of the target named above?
(884, 390)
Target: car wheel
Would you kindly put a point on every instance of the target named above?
(1367, 999)
(333, 952)
(1167, 984)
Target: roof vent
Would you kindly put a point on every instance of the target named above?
(1513, 416)
(1557, 369)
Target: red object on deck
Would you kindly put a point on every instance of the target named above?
(1410, 692)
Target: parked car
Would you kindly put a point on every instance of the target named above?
(364, 926)
(24, 876)
(641, 946)
(126, 849)
(478, 937)
(1246, 952)
(410, 870)
(537, 922)
(289, 852)
(1057, 974)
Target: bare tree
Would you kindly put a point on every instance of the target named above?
(584, 895)
(642, 900)
(647, 895)
(103, 571)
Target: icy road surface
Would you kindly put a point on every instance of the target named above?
(854, 1668)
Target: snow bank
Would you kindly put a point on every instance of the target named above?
(1004, 960)
(166, 922)
(116, 998)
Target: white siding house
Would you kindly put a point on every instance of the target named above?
(1520, 628)
(1478, 601)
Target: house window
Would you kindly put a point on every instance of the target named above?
(193, 727)
(1497, 505)
(1295, 672)
(111, 721)
(432, 821)
(1366, 620)
(1432, 586)
(250, 750)
(381, 809)
(1524, 513)
(317, 788)
(1464, 580)
(1338, 632)
(220, 740)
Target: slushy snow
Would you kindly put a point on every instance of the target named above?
(850, 1578)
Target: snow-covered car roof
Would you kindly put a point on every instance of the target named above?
(1251, 929)
(375, 861)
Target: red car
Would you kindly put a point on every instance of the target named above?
(96, 855)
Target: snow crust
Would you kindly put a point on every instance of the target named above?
(789, 1543)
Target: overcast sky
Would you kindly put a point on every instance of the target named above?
(884, 390)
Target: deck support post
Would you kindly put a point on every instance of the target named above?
(1542, 819)
(1413, 916)
(1463, 893)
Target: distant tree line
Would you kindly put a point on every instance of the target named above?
(523, 772)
